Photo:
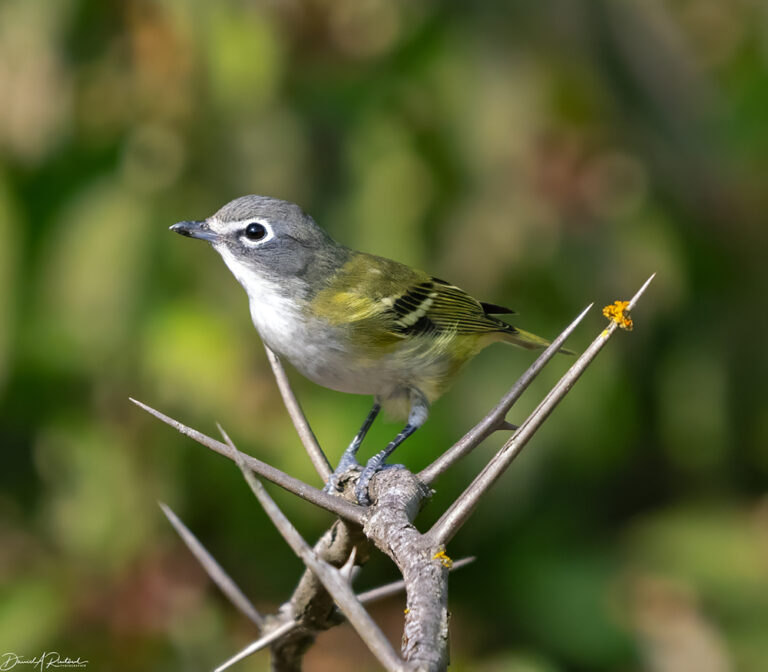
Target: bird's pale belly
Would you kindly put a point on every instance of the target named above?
(326, 356)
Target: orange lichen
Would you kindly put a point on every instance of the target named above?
(617, 312)
(443, 558)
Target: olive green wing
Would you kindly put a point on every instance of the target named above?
(437, 307)
(434, 306)
(387, 301)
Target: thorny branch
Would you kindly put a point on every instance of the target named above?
(323, 596)
(458, 513)
(333, 579)
(343, 508)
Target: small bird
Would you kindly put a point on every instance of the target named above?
(352, 321)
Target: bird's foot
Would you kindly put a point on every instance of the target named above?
(373, 467)
(347, 462)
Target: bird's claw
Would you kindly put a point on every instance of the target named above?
(333, 485)
(361, 487)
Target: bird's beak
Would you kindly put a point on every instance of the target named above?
(195, 230)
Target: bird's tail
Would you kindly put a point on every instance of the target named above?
(529, 341)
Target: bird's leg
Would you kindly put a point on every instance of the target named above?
(348, 459)
(416, 418)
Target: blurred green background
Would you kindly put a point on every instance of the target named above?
(541, 155)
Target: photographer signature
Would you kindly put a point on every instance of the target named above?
(45, 661)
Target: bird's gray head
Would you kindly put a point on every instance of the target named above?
(266, 240)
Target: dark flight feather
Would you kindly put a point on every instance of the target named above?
(494, 309)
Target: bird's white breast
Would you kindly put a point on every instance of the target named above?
(324, 353)
(320, 352)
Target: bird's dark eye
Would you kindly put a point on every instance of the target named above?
(255, 231)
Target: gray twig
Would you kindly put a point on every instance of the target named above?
(460, 511)
(337, 505)
(389, 589)
(496, 417)
(310, 606)
(397, 498)
(303, 429)
(367, 597)
(214, 569)
(328, 575)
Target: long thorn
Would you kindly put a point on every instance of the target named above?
(460, 511)
(633, 301)
(213, 568)
(300, 422)
(495, 418)
(341, 507)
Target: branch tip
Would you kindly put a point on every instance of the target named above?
(633, 301)
(462, 508)
(347, 571)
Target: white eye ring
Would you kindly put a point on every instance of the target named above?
(256, 233)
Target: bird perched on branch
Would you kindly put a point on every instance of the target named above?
(352, 321)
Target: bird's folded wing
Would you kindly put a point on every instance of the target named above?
(373, 293)
(434, 306)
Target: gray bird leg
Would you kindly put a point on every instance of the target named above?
(348, 459)
(416, 418)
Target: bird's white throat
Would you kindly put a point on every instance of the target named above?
(273, 308)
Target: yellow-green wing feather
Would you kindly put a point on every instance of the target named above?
(387, 301)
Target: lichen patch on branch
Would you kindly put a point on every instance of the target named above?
(618, 312)
(443, 558)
